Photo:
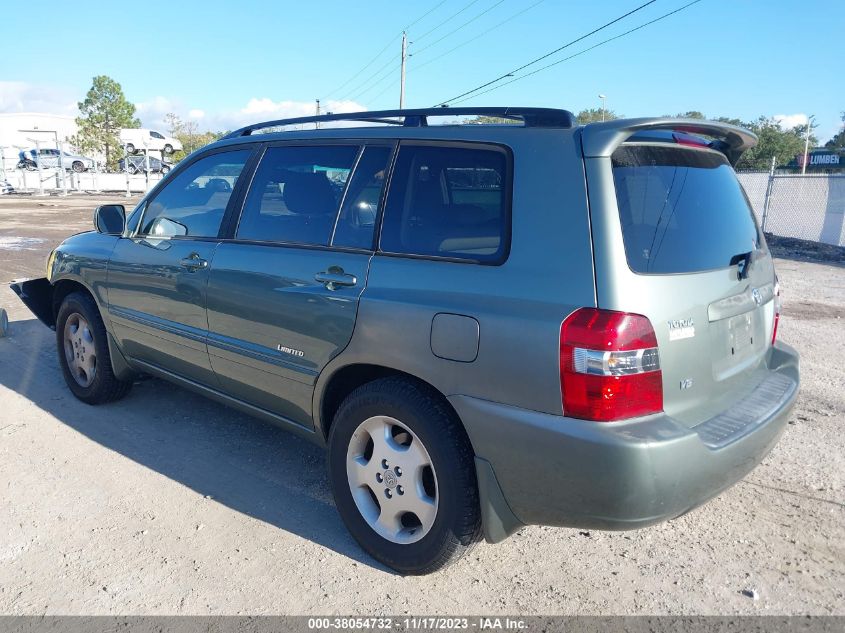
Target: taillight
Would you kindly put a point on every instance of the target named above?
(609, 366)
(777, 311)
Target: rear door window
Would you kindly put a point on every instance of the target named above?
(682, 210)
(296, 193)
(449, 202)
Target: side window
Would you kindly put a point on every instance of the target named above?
(357, 219)
(156, 135)
(295, 194)
(448, 202)
(194, 202)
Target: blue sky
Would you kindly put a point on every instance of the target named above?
(226, 63)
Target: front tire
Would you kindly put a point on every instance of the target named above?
(77, 166)
(403, 475)
(83, 350)
(168, 149)
(130, 148)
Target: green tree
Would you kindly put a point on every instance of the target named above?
(192, 140)
(174, 123)
(102, 114)
(731, 121)
(491, 120)
(690, 114)
(773, 140)
(838, 141)
(591, 115)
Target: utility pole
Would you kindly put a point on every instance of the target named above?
(402, 79)
(807, 144)
(317, 123)
(603, 105)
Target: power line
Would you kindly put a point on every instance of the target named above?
(385, 89)
(387, 76)
(382, 77)
(367, 65)
(560, 61)
(382, 51)
(451, 17)
(391, 66)
(453, 31)
(549, 54)
(379, 75)
(479, 36)
(361, 89)
(426, 14)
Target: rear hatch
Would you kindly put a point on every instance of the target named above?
(676, 240)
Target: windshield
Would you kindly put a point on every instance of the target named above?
(682, 210)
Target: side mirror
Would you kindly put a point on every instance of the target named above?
(110, 219)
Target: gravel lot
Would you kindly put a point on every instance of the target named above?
(166, 503)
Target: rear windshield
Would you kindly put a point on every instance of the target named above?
(682, 209)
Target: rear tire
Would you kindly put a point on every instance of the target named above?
(396, 431)
(82, 345)
(130, 148)
(168, 149)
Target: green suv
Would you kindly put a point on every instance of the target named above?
(488, 326)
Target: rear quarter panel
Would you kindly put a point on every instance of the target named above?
(519, 305)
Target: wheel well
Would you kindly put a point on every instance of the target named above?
(62, 289)
(349, 378)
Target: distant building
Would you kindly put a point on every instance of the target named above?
(19, 129)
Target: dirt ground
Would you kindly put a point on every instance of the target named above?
(166, 503)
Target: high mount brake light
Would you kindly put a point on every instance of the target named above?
(683, 138)
(609, 366)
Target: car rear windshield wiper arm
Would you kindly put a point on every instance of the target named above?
(743, 261)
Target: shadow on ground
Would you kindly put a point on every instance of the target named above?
(248, 465)
(805, 250)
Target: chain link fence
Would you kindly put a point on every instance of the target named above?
(809, 207)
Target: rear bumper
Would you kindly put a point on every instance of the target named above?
(535, 468)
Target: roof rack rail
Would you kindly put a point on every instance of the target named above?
(531, 117)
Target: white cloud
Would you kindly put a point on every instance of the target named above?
(789, 121)
(20, 96)
(265, 109)
(152, 112)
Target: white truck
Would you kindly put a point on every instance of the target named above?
(137, 139)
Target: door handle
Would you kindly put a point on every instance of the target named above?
(194, 262)
(335, 278)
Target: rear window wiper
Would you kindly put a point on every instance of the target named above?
(743, 263)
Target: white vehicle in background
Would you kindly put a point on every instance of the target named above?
(136, 139)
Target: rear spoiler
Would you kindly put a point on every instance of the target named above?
(601, 139)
